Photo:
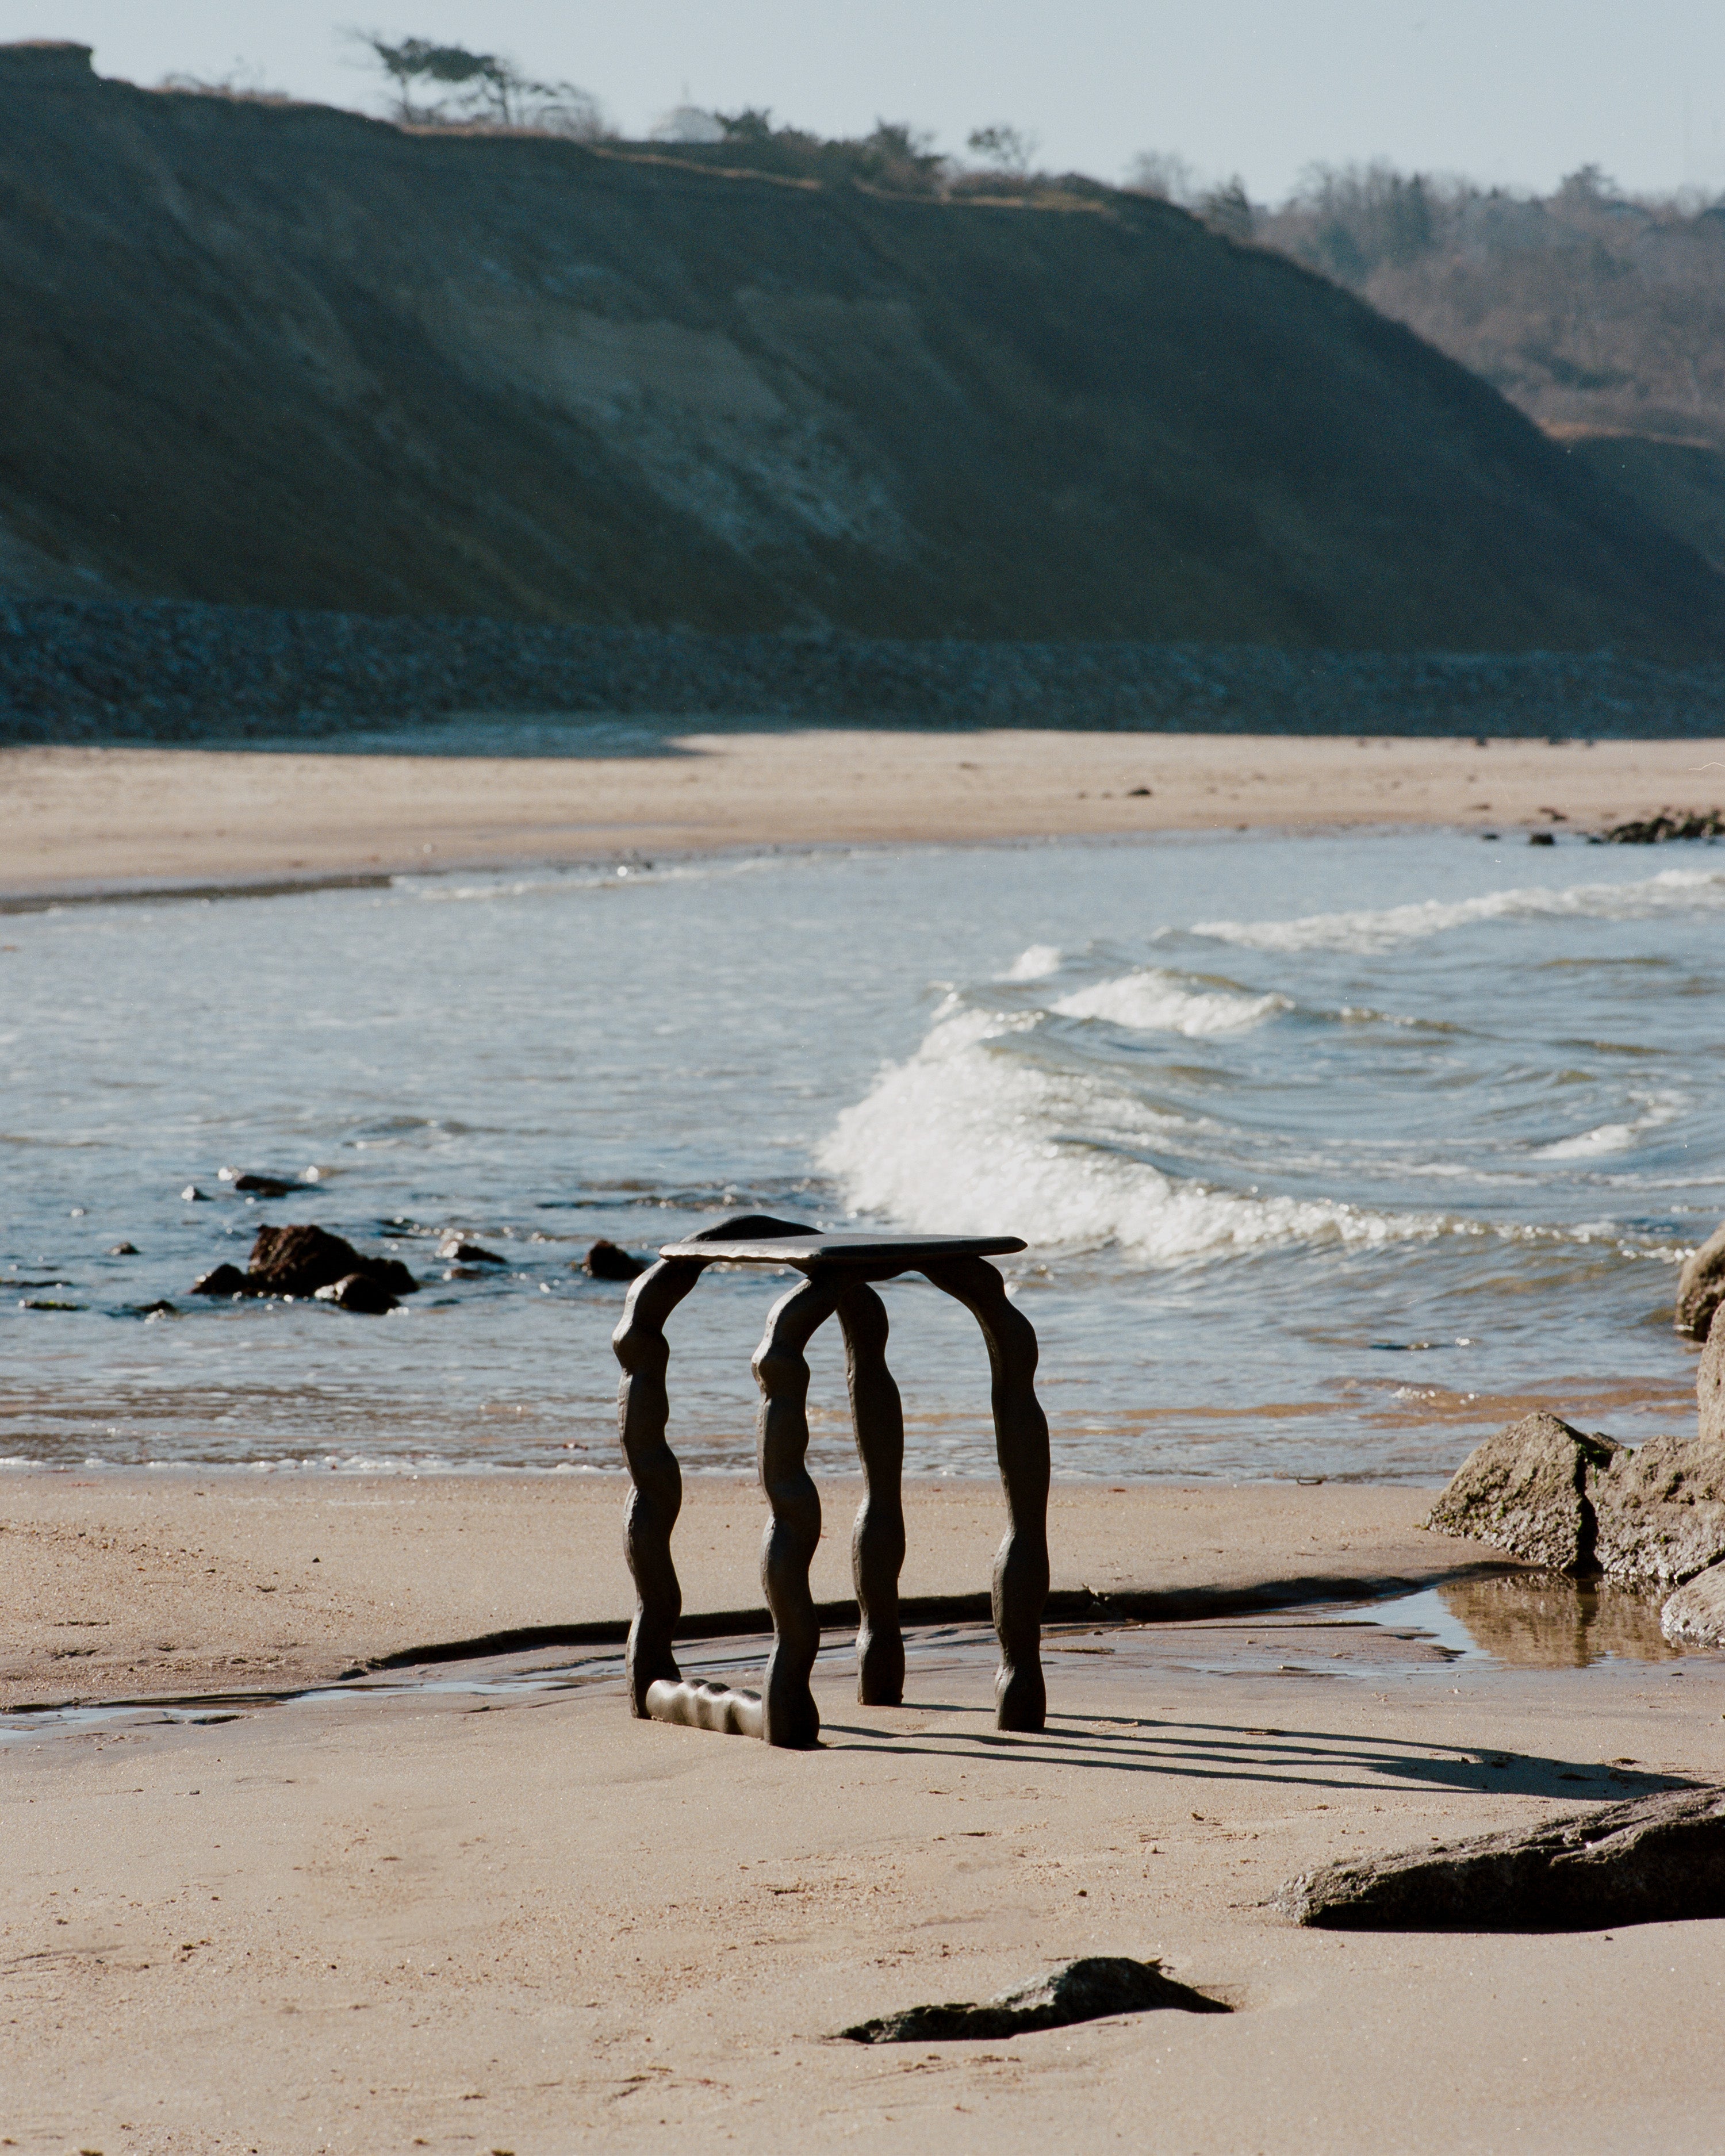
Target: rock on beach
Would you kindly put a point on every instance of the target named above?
(1701, 1287)
(1695, 1615)
(1648, 1518)
(1660, 1512)
(1653, 1861)
(1710, 1385)
(1524, 1491)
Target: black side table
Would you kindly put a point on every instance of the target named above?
(837, 1270)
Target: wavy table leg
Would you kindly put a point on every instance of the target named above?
(788, 1714)
(877, 1543)
(1020, 1583)
(657, 1498)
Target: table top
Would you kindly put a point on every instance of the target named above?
(908, 1252)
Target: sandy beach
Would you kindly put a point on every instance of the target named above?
(75, 821)
(421, 1917)
(469, 1903)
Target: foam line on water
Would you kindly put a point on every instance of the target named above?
(1673, 890)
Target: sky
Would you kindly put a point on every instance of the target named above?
(1512, 92)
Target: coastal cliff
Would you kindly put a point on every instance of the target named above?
(281, 355)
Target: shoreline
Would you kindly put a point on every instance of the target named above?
(81, 824)
(132, 1581)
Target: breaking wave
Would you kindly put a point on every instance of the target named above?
(965, 1135)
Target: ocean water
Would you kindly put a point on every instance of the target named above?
(1331, 1152)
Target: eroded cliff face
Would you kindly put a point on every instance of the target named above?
(290, 356)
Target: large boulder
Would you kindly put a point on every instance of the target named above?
(1710, 1385)
(1695, 1615)
(1701, 1287)
(1659, 1511)
(1525, 1490)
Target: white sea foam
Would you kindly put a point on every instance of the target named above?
(1154, 1001)
(1616, 1137)
(967, 1136)
(1034, 964)
(1674, 890)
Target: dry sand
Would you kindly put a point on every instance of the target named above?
(521, 1921)
(76, 820)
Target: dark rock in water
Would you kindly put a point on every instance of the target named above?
(1524, 1491)
(1701, 1287)
(1710, 1386)
(361, 1292)
(1655, 1859)
(192, 1195)
(1541, 839)
(123, 1250)
(1695, 1615)
(225, 1279)
(1659, 1511)
(609, 1261)
(299, 1261)
(1088, 1989)
(261, 1186)
(468, 1254)
(157, 1309)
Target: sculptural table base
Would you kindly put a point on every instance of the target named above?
(838, 1270)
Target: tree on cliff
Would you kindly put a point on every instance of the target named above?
(478, 89)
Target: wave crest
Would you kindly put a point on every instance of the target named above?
(967, 1136)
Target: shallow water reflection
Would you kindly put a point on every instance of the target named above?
(1547, 1622)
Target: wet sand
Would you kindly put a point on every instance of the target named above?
(75, 821)
(476, 1905)
(161, 1582)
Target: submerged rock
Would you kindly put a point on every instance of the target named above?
(1088, 1989)
(299, 1261)
(609, 1261)
(1653, 1861)
(1524, 1491)
(1695, 1615)
(225, 1279)
(1659, 1511)
(468, 1254)
(123, 1250)
(261, 1186)
(303, 1261)
(360, 1292)
(1701, 1287)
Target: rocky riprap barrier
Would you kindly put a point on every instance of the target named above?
(1650, 1518)
(75, 671)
